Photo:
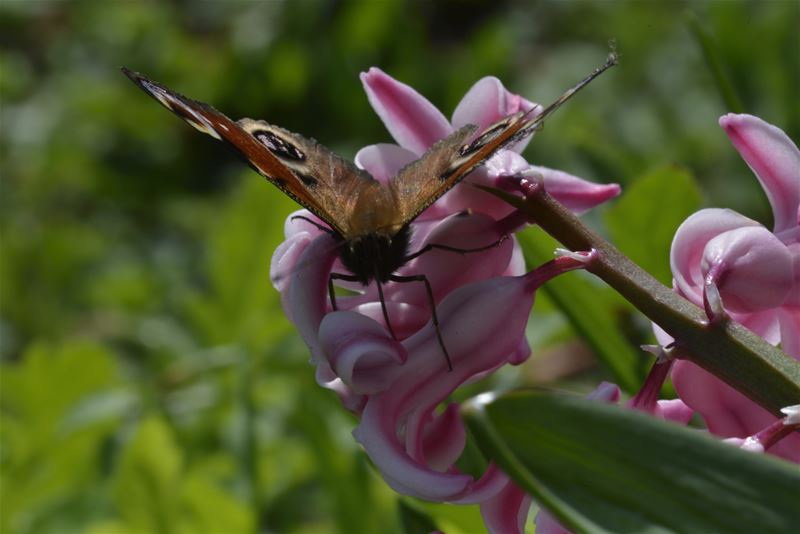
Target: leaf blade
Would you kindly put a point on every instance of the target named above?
(601, 468)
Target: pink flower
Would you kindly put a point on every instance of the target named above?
(483, 303)
(416, 124)
(720, 258)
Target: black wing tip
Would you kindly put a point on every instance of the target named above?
(133, 75)
(143, 82)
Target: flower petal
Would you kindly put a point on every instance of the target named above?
(462, 231)
(790, 331)
(727, 412)
(751, 268)
(673, 410)
(577, 194)
(360, 351)
(506, 512)
(775, 160)
(383, 160)
(689, 244)
(412, 120)
(305, 298)
(546, 523)
(444, 439)
(486, 102)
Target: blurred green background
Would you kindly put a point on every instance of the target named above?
(150, 382)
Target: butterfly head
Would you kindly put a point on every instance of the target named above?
(375, 256)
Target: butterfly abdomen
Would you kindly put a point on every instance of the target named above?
(375, 255)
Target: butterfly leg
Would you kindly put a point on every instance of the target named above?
(351, 278)
(422, 278)
(331, 292)
(314, 223)
(436, 246)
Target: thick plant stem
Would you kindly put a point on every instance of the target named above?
(728, 350)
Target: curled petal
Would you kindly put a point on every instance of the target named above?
(284, 260)
(412, 120)
(444, 438)
(298, 223)
(775, 160)
(689, 245)
(425, 382)
(360, 351)
(521, 353)
(377, 433)
(470, 318)
(492, 482)
(506, 512)
(305, 298)
(350, 400)
(751, 267)
(406, 318)
(383, 160)
(577, 194)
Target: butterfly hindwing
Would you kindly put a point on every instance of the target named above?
(306, 171)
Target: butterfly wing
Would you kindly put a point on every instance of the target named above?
(420, 183)
(312, 175)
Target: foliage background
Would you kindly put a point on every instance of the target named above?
(150, 382)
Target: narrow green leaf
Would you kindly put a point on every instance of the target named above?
(588, 312)
(600, 468)
(643, 222)
(711, 55)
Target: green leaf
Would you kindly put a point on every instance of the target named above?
(589, 312)
(414, 520)
(643, 222)
(52, 449)
(600, 468)
(148, 482)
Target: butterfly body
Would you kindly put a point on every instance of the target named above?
(375, 256)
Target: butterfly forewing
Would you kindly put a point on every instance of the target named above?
(334, 183)
(304, 170)
(422, 182)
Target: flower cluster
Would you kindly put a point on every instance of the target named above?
(483, 302)
(737, 268)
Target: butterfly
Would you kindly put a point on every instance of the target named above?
(369, 221)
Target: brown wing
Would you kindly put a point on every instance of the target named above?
(422, 182)
(312, 175)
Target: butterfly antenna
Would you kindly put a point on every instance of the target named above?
(536, 122)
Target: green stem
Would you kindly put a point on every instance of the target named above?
(728, 350)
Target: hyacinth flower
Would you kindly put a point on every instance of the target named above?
(396, 385)
(739, 270)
